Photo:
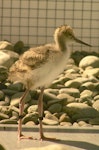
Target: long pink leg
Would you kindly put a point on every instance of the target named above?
(40, 111)
(21, 109)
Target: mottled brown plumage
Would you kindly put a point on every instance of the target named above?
(26, 68)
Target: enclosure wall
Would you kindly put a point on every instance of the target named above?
(34, 21)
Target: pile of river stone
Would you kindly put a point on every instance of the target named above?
(72, 98)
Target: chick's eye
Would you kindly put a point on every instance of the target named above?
(70, 35)
(64, 32)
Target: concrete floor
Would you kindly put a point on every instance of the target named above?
(73, 138)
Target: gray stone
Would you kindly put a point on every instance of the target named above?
(86, 94)
(86, 100)
(88, 85)
(70, 62)
(93, 79)
(86, 113)
(82, 123)
(33, 108)
(30, 117)
(96, 105)
(55, 108)
(71, 65)
(97, 87)
(64, 118)
(3, 116)
(8, 121)
(67, 76)
(17, 86)
(61, 80)
(96, 98)
(70, 76)
(50, 122)
(52, 91)
(84, 119)
(86, 97)
(34, 94)
(56, 85)
(3, 85)
(94, 121)
(46, 112)
(30, 123)
(15, 115)
(19, 47)
(74, 107)
(3, 103)
(7, 58)
(9, 92)
(15, 99)
(71, 71)
(79, 110)
(5, 110)
(92, 72)
(26, 105)
(66, 98)
(49, 96)
(7, 83)
(71, 91)
(3, 73)
(75, 124)
(92, 61)
(6, 45)
(34, 102)
(15, 109)
(72, 84)
(7, 100)
(51, 102)
(67, 124)
(1, 95)
(51, 117)
(81, 80)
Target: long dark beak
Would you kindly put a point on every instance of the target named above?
(79, 41)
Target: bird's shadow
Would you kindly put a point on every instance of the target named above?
(78, 144)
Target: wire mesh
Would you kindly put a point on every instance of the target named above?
(34, 21)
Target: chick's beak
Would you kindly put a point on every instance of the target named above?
(79, 41)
